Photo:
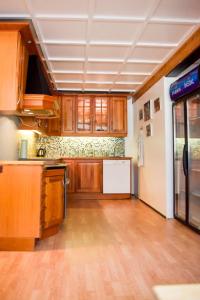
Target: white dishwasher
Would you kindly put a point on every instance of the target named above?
(116, 176)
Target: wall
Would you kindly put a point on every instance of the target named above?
(8, 138)
(81, 146)
(155, 178)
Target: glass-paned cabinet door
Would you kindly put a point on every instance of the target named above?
(193, 111)
(84, 114)
(179, 174)
(101, 109)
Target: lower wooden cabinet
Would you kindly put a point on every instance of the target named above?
(88, 176)
(53, 202)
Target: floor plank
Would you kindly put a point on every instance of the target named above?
(106, 250)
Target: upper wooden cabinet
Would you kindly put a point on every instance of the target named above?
(68, 115)
(13, 62)
(118, 115)
(84, 115)
(101, 114)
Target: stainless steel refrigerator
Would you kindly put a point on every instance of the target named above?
(186, 115)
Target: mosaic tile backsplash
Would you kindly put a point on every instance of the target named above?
(81, 146)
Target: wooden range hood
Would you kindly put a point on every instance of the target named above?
(40, 105)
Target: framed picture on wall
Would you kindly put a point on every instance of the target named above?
(156, 104)
(147, 110)
(148, 130)
(141, 114)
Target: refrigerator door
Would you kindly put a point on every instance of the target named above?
(193, 129)
(179, 162)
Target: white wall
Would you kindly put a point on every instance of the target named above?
(155, 178)
(129, 140)
(8, 138)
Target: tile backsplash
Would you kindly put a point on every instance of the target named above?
(81, 146)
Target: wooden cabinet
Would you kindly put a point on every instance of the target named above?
(118, 115)
(54, 195)
(70, 175)
(13, 61)
(68, 115)
(101, 114)
(94, 115)
(54, 124)
(88, 176)
(84, 114)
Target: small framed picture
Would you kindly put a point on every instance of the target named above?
(147, 110)
(148, 130)
(156, 105)
(141, 114)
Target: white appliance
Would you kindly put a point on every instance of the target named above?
(116, 176)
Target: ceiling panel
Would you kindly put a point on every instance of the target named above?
(178, 9)
(164, 33)
(69, 86)
(112, 52)
(68, 76)
(128, 8)
(114, 31)
(71, 51)
(64, 7)
(63, 30)
(67, 65)
(97, 86)
(100, 77)
(13, 7)
(139, 78)
(150, 53)
(100, 66)
(139, 68)
(126, 86)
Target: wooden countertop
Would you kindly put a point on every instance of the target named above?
(100, 157)
(177, 292)
(28, 162)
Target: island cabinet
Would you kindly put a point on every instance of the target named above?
(13, 72)
(52, 206)
(94, 115)
(32, 204)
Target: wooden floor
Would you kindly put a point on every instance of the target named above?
(106, 250)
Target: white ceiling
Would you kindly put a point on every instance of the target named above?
(106, 45)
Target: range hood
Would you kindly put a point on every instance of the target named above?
(37, 99)
(40, 105)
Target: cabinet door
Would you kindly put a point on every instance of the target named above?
(118, 113)
(68, 115)
(13, 70)
(84, 114)
(54, 199)
(101, 114)
(22, 72)
(70, 176)
(54, 125)
(88, 176)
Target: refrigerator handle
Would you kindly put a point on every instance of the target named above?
(185, 165)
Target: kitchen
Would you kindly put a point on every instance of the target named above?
(73, 102)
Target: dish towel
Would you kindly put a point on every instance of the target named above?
(141, 148)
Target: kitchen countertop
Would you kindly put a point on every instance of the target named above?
(177, 292)
(29, 162)
(99, 157)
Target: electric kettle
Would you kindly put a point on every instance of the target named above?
(41, 152)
